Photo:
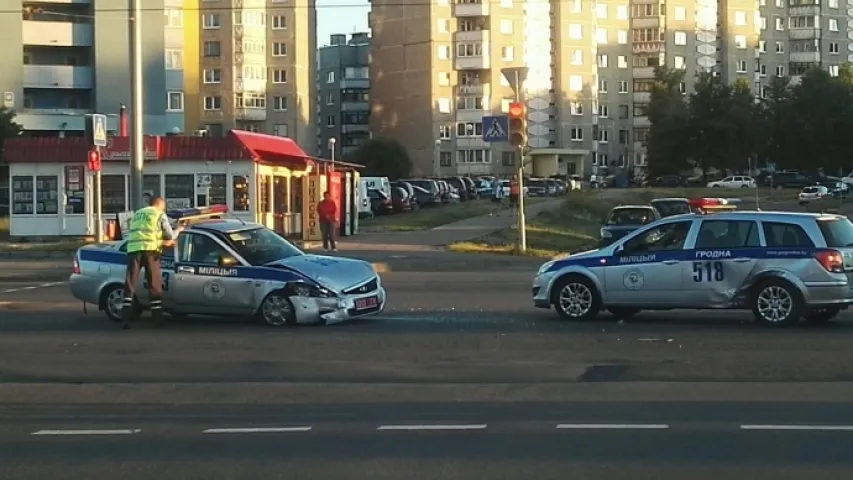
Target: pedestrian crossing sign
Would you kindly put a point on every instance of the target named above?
(496, 129)
(96, 130)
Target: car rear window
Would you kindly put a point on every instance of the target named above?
(811, 190)
(785, 235)
(674, 207)
(838, 232)
(630, 216)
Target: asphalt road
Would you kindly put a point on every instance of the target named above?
(459, 378)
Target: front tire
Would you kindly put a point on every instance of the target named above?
(776, 302)
(822, 315)
(277, 310)
(576, 297)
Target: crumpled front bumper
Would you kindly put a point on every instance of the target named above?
(310, 310)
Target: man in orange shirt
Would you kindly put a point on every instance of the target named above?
(328, 211)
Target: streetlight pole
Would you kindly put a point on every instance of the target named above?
(332, 142)
(522, 221)
(137, 147)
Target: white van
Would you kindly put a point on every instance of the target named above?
(377, 183)
(363, 200)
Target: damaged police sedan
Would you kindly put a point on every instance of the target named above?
(226, 267)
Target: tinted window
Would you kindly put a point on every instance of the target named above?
(674, 207)
(670, 236)
(837, 233)
(785, 235)
(196, 248)
(630, 216)
(727, 234)
(811, 190)
(260, 246)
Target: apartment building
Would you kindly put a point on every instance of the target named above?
(258, 68)
(343, 93)
(64, 59)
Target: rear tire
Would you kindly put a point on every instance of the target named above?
(822, 315)
(575, 297)
(111, 301)
(775, 302)
(623, 313)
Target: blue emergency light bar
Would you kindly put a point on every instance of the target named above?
(186, 213)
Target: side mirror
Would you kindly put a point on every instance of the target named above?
(227, 261)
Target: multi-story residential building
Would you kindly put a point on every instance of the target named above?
(436, 71)
(65, 59)
(258, 68)
(343, 92)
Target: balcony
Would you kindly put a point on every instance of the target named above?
(647, 22)
(250, 114)
(355, 107)
(644, 72)
(803, 33)
(648, 47)
(804, 10)
(805, 57)
(472, 115)
(52, 119)
(478, 90)
(355, 128)
(642, 97)
(473, 63)
(479, 36)
(57, 76)
(355, 83)
(471, 9)
(57, 34)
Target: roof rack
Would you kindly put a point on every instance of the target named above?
(187, 216)
(711, 205)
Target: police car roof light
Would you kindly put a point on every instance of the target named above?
(188, 213)
(714, 203)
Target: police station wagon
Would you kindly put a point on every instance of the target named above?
(782, 266)
(228, 267)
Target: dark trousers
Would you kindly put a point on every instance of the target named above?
(327, 229)
(136, 261)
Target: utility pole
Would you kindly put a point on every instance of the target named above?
(518, 131)
(137, 141)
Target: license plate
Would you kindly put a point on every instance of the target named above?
(365, 303)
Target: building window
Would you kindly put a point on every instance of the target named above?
(506, 27)
(622, 61)
(576, 31)
(250, 100)
(473, 156)
(444, 79)
(603, 111)
(469, 103)
(465, 50)
(330, 121)
(624, 137)
(833, 70)
(213, 103)
(445, 132)
(330, 99)
(679, 63)
(602, 86)
(833, 24)
(180, 189)
(22, 195)
(577, 108)
(212, 75)
(680, 13)
(469, 129)
(173, 18)
(241, 193)
(780, 71)
(833, 48)
(507, 54)
(622, 37)
(780, 24)
(623, 86)
(113, 193)
(762, 46)
(279, 103)
(576, 134)
(602, 60)
(443, 52)
(175, 101)
(740, 41)
(604, 135)
(575, 83)
(174, 59)
(358, 73)
(601, 36)
(601, 10)
(741, 66)
(330, 77)
(279, 22)
(445, 159)
(279, 49)
(280, 76)
(443, 105)
(740, 18)
(212, 49)
(508, 159)
(680, 38)
(210, 20)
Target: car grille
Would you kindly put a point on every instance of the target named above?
(364, 288)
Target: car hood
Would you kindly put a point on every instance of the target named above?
(334, 273)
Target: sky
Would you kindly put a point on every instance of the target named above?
(340, 16)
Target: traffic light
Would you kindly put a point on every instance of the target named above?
(94, 161)
(517, 124)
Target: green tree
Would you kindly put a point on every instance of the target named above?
(667, 147)
(383, 157)
(709, 123)
(772, 120)
(8, 127)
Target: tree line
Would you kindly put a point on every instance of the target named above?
(805, 125)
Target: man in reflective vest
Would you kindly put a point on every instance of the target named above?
(149, 233)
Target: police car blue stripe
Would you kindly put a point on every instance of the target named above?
(255, 273)
(684, 255)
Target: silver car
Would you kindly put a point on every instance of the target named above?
(227, 267)
(783, 266)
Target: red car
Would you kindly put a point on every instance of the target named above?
(400, 200)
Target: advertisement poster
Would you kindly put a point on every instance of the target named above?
(334, 186)
(310, 219)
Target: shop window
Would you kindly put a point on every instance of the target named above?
(150, 188)
(217, 195)
(47, 195)
(113, 188)
(264, 194)
(75, 190)
(180, 190)
(241, 194)
(22, 195)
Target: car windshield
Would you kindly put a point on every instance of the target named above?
(536, 183)
(420, 183)
(630, 216)
(672, 207)
(260, 246)
(837, 232)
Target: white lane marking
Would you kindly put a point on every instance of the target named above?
(33, 287)
(612, 426)
(12, 290)
(432, 427)
(51, 284)
(258, 430)
(87, 432)
(836, 428)
(29, 288)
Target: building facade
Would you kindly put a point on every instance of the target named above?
(258, 68)
(343, 94)
(436, 70)
(66, 59)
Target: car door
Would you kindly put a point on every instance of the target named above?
(723, 254)
(646, 269)
(208, 278)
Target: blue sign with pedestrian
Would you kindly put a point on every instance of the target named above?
(96, 129)
(496, 129)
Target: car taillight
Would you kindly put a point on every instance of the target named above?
(830, 260)
(75, 266)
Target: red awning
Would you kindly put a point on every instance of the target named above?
(272, 149)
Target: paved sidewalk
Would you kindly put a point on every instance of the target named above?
(433, 239)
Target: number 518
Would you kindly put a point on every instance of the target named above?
(708, 272)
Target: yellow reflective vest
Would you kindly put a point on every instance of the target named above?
(145, 233)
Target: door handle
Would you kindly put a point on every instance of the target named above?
(742, 260)
(670, 262)
(186, 270)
